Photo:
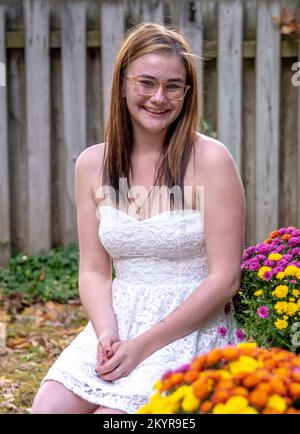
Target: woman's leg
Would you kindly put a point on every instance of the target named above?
(107, 410)
(53, 398)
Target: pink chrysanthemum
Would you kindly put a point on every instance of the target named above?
(263, 312)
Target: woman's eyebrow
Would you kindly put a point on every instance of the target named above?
(154, 78)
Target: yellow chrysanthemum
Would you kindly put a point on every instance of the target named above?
(280, 291)
(236, 404)
(155, 397)
(219, 409)
(244, 364)
(262, 271)
(190, 403)
(277, 403)
(281, 324)
(280, 306)
(158, 385)
(296, 292)
(249, 410)
(146, 409)
(280, 275)
(291, 309)
(259, 293)
(292, 299)
(247, 345)
(180, 393)
(275, 256)
(291, 270)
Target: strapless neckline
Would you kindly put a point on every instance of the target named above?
(170, 213)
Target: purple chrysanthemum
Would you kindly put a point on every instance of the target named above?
(263, 312)
(222, 331)
(182, 368)
(240, 334)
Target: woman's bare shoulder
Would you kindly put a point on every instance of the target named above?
(211, 154)
(90, 157)
(88, 168)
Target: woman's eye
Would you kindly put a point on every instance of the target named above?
(173, 86)
(147, 83)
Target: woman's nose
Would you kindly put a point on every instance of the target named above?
(159, 95)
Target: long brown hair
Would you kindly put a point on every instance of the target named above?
(178, 143)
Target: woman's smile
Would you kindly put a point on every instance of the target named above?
(156, 113)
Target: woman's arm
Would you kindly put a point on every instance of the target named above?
(95, 270)
(224, 221)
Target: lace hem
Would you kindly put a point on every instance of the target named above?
(129, 404)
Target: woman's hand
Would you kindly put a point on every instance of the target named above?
(105, 348)
(126, 356)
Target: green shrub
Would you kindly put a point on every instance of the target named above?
(48, 276)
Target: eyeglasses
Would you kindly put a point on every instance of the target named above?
(148, 87)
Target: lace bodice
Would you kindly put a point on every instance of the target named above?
(171, 243)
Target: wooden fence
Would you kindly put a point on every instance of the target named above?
(58, 57)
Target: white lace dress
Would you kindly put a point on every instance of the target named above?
(159, 262)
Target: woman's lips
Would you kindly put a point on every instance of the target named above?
(155, 112)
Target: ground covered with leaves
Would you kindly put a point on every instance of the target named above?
(35, 336)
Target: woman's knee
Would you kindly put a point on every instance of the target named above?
(54, 398)
(108, 410)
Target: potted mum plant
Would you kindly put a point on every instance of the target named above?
(268, 305)
(237, 380)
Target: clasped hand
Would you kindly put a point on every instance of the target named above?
(120, 360)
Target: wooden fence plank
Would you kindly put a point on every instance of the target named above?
(57, 150)
(288, 199)
(111, 36)
(18, 160)
(38, 123)
(74, 102)
(267, 118)
(152, 11)
(94, 103)
(230, 76)
(191, 21)
(4, 172)
(248, 140)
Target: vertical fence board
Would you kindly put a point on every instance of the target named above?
(230, 76)
(152, 11)
(288, 150)
(4, 173)
(111, 36)
(191, 21)
(74, 103)
(38, 123)
(248, 141)
(267, 118)
(94, 103)
(210, 93)
(57, 150)
(17, 150)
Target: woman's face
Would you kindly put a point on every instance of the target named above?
(153, 114)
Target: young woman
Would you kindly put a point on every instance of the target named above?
(176, 266)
